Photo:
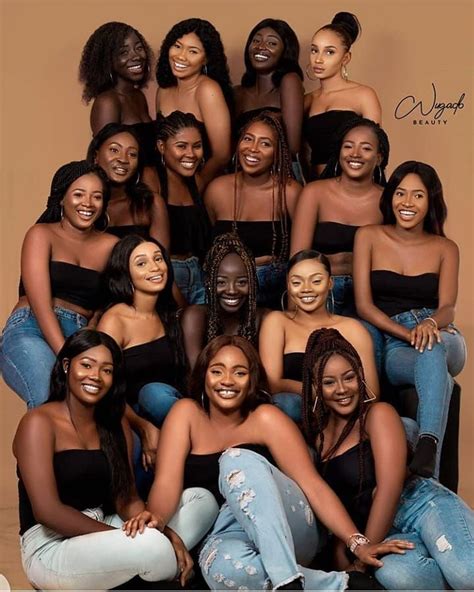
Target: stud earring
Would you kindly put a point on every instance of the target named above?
(371, 396)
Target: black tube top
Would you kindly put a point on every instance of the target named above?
(202, 470)
(148, 362)
(394, 293)
(333, 237)
(121, 231)
(257, 235)
(83, 480)
(75, 284)
(189, 230)
(320, 131)
(293, 366)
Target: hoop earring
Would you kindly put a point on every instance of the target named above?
(308, 75)
(335, 168)
(371, 396)
(202, 400)
(61, 211)
(137, 179)
(344, 73)
(106, 222)
(282, 300)
(204, 69)
(111, 76)
(163, 160)
(379, 169)
(315, 404)
(330, 305)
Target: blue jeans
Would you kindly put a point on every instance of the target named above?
(442, 527)
(291, 404)
(103, 560)
(189, 278)
(26, 360)
(155, 400)
(271, 284)
(430, 372)
(265, 532)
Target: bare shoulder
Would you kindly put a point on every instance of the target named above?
(108, 98)
(291, 80)
(40, 232)
(274, 319)
(378, 413)
(221, 183)
(185, 409)
(447, 245)
(208, 89)
(36, 424)
(364, 91)
(370, 232)
(195, 313)
(268, 415)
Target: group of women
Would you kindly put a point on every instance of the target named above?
(158, 269)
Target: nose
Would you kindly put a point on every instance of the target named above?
(341, 387)
(227, 378)
(231, 288)
(123, 157)
(408, 199)
(86, 199)
(94, 373)
(355, 150)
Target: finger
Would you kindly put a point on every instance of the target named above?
(438, 335)
(424, 340)
(412, 336)
(373, 561)
(431, 340)
(187, 571)
(144, 460)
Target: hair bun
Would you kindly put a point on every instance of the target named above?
(349, 22)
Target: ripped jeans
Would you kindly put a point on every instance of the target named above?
(442, 527)
(265, 532)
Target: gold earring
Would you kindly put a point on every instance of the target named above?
(315, 403)
(345, 75)
(371, 396)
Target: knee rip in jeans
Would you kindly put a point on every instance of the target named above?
(211, 555)
(443, 544)
(235, 478)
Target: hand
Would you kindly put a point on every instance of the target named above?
(183, 558)
(356, 565)
(368, 553)
(142, 520)
(149, 437)
(424, 334)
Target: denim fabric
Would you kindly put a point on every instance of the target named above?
(291, 404)
(103, 560)
(26, 360)
(265, 531)
(430, 372)
(442, 527)
(155, 400)
(271, 285)
(189, 278)
(342, 300)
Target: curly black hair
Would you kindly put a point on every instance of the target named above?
(290, 56)
(217, 67)
(96, 69)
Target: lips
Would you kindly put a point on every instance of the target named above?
(91, 389)
(347, 400)
(307, 299)
(136, 68)
(120, 170)
(156, 278)
(86, 214)
(231, 301)
(355, 164)
(261, 57)
(406, 215)
(188, 164)
(227, 393)
(178, 66)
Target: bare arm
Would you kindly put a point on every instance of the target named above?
(305, 219)
(293, 192)
(291, 100)
(360, 338)
(215, 193)
(106, 109)
(35, 259)
(271, 348)
(159, 228)
(193, 323)
(370, 105)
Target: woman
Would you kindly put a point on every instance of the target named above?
(142, 320)
(406, 278)
(63, 256)
(284, 335)
(263, 202)
(181, 144)
(361, 452)
(115, 66)
(330, 210)
(193, 77)
(231, 288)
(267, 527)
(337, 99)
(73, 457)
(272, 79)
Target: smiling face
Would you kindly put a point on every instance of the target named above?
(410, 202)
(227, 379)
(183, 152)
(359, 153)
(118, 156)
(256, 149)
(187, 56)
(265, 50)
(129, 61)
(148, 269)
(83, 202)
(328, 54)
(232, 283)
(340, 386)
(90, 374)
(308, 285)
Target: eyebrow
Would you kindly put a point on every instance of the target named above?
(145, 255)
(94, 360)
(325, 46)
(222, 365)
(259, 137)
(403, 189)
(318, 273)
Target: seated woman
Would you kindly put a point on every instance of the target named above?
(63, 256)
(284, 335)
(268, 531)
(361, 453)
(257, 202)
(142, 320)
(181, 142)
(193, 77)
(337, 99)
(405, 280)
(272, 80)
(115, 66)
(231, 287)
(330, 211)
(73, 457)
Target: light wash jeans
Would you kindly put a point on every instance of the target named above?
(265, 532)
(271, 284)
(442, 527)
(26, 360)
(189, 278)
(155, 400)
(430, 372)
(103, 560)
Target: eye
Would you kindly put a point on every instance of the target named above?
(86, 365)
(98, 196)
(241, 373)
(295, 284)
(350, 377)
(242, 283)
(398, 193)
(316, 282)
(181, 145)
(133, 154)
(177, 45)
(77, 194)
(330, 52)
(419, 195)
(158, 259)
(215, 372)
(328, 381)
(314, 50)
(113, 149)
(108, 371)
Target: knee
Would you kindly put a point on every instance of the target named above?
(156, 555)
(234, 463)
(204, 503)
(157, 390)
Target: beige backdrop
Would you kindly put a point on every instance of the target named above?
(405, 46)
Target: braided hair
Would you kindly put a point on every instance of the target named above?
(321, 346)
(333, 167)
(280, 175)
(96, 70)
(63, 178)
(222, 246)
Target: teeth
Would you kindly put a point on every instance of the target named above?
(231, 301)
(227, 393)
(121, 170)
(260, 57)
(354, 164)
(407, 213)
(156, 278)
(90, 388)
(86, 213)
(188, 165)
(251, 159)
(137, 68)
(345, 400)
(179, 66)
(308, 299)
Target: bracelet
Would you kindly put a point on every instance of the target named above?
(355, 540)
(433, 321)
